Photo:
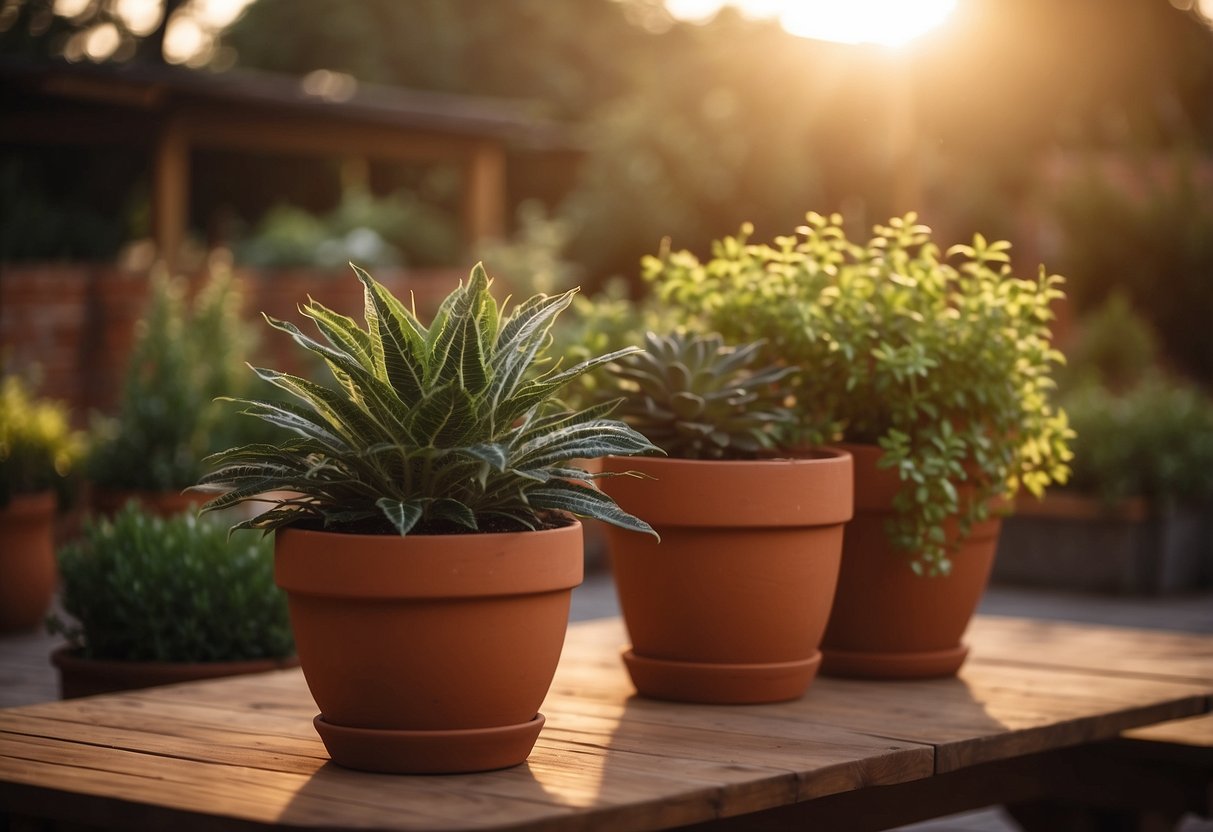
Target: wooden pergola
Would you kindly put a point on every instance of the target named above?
(172, 112)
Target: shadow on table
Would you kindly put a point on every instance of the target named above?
(666, 763)
(337, 797)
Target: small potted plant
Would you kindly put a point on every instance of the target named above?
(185, 355)
(151, 600)
(425, 523)
(730, 607)
(38, 450)
(935, 369)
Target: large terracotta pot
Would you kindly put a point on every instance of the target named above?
(79, 676)
(731, 605)
(888, 622)
(429, 653)
(28, 576)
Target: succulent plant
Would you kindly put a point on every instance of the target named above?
(696, 398)
(455, 427)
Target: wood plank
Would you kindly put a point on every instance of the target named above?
(242, 750)
(1114, 650)
(648, 773)
(995, 708)
(629, 789)
(992, 712)
(1005, 639)
(270, 751)
(1196, 732)
(328, 797)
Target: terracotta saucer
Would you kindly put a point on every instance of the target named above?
(927, 664)
(721, 684)
(429, 752)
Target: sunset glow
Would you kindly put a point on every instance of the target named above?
(885, 22)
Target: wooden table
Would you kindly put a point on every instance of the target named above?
(241, 753)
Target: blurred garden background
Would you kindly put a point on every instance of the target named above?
(250, 148)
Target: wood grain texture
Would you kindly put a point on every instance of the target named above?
(241, 752)
(1098, 649)
(1195, 732)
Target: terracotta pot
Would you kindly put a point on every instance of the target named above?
(109, 501)
(28, 576)
(429, 653)
(888, 622)
(593, 531)
(731, 605)
(79, 676)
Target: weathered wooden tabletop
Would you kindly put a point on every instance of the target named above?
(241, 753)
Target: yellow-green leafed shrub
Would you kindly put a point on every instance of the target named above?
(38, 448)
(942, 357)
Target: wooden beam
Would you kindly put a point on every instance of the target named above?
(312, 136)
(484, 193)
(67, 128)
(170, 190)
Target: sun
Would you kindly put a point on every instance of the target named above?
(884, 22)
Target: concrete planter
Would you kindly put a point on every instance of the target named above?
(1070, 541)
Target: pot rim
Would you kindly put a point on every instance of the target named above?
(794, 492)
(344, 565)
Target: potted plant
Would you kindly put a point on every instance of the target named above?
(38, 449)
(150, 600)
(427, 543)
(731, 606)
(935, 369)
(593, 325)
(184, 356)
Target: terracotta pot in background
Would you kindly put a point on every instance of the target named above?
(888, 622)
(429, 653)
(28, 575)
(731, 605)
(593, 531)
(108, 501)
(79, 676)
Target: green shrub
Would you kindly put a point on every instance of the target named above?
(1154, 441)
(185, 355)
(943, 359)
(1151, 239)
(400, 229)
(145, 588)
(531, 260)
(1114, 347)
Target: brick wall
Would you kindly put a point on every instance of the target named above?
(75, 322)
